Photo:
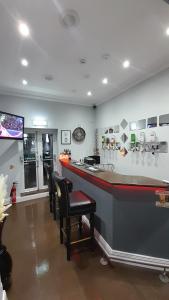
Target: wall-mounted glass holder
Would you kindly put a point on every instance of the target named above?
(153, 147)
(109, 146)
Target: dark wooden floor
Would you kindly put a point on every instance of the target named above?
(41, 272)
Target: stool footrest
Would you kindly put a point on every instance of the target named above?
(81, 240)
(78, 241)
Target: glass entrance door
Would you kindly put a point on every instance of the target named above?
(47, 150)
(30, 161)
(39, 150)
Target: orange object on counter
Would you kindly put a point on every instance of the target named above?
(64, 157)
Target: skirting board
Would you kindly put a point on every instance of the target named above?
(28, 197)
(129, 258)
(32, 197)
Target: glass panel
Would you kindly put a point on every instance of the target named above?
(47, 148)
(29, 146)
(30, 160)
(133, 126)
(141, 124)
(30, 174)
(152, 122)
(164, 120)
(47, 144)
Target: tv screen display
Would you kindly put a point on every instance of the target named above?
(11, 126)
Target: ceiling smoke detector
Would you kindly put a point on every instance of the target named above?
(48, 77)
(83, 60)
(86, 76)
(69, 18)
(106, 56)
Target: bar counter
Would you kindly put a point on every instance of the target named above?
(111, 179)
(129, 226)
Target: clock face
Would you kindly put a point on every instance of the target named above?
(79, 134)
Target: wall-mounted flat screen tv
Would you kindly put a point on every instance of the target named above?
(11, 126)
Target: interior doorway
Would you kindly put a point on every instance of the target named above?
(39, 148)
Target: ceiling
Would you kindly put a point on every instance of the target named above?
(123, 29)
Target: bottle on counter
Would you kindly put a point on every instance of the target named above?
(69, 154)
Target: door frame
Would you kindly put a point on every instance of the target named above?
(39, 157)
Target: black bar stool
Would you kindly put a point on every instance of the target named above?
(48, 170)
(53, 201)
(74, 204)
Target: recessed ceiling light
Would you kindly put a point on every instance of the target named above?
(126, 64)
(24, 62)
(23, 29)
(89, 93)
(24, 82)
(167, 31)
(105, 80)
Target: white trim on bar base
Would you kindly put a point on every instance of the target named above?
(129, 258)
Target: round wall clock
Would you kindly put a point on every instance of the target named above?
(79, 134)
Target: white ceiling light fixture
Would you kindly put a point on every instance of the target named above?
(24, 82)
(24, 62)
(126, 64)
(167, 31)
(23, 29)
(89, 93)
(105, 80)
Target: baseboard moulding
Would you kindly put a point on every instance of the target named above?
(132, 259)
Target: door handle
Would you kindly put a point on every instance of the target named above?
(21, 159)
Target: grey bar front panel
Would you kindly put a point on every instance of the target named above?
(128, 219)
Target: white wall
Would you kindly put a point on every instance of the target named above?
(151, 98)
(59, 116)
(148, 99)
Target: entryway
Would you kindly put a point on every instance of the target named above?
(39, 148)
